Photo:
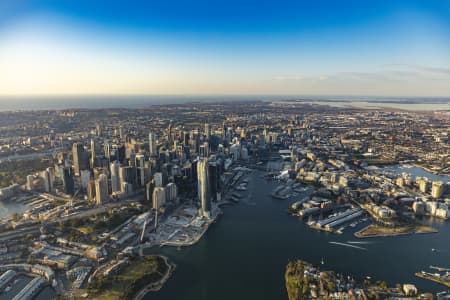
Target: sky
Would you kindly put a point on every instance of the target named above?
(218, 47)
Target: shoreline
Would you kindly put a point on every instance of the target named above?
(359, 234)
(156, 286)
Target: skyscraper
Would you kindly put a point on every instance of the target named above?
(46, 183)
(80, 158)
(115, 179)
(203, 187)
(159, 197)
(152, 143)
(140, 165)
(101, 189)
(207, 131)
(67, 180)
(437, 188)
(92, 153)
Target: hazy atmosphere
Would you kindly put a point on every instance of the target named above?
(383, 48)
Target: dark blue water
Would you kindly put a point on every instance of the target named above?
(244, 254)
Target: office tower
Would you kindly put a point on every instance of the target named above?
(224, 131)
(101, 189)
(149, 187)
(437, 189)
(213, 177)
(85, 177)
(127, 188)
(147, 171)
(140, 166)
(78, 153)
(115, 179)
(207, 131)
(159, 197)
(204, 150)
(30, 184)
(132, 159)
(127, 174)
(67, 179)
(158, 177)
(423, 184)
(46, 181)
(203, 187)
(186, 138)
(120, 132)
(152, 144)
(121, 153)
(91, 190)
(171, 192)
(92, 154)
(98, 129)
(107, 149)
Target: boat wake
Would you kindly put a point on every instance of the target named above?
(348, 245)
(360, 243)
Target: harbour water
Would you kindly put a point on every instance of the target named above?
(417, 172)
(244, 254)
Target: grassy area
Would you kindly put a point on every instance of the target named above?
(86, 230)
(17, 171)
(380, 230)
(132, 278)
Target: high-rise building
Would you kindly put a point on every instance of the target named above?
(214, 182)
(171, 192)
(101, 189)
(127, 174)
(80, 158)
(207, 131)
(67, 180)
(107, 149)
(149, 187)
(204, 150)
(158, 177)
(203, 187)
(423, 185)
(91, 191)
(46, 181)
(115, 179)
(159, 197)
(85, 177)
(30, 184)
(92, 153)
(140, 165)
(437, 189)
(152, 144)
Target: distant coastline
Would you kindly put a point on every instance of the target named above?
(62, 102)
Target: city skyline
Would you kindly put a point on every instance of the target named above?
(213, 48)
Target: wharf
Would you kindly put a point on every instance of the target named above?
(444, 280)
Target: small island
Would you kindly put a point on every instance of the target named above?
(305, 281)
(133, 279)
(378, 230)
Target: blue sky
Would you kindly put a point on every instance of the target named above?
(383, 48)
